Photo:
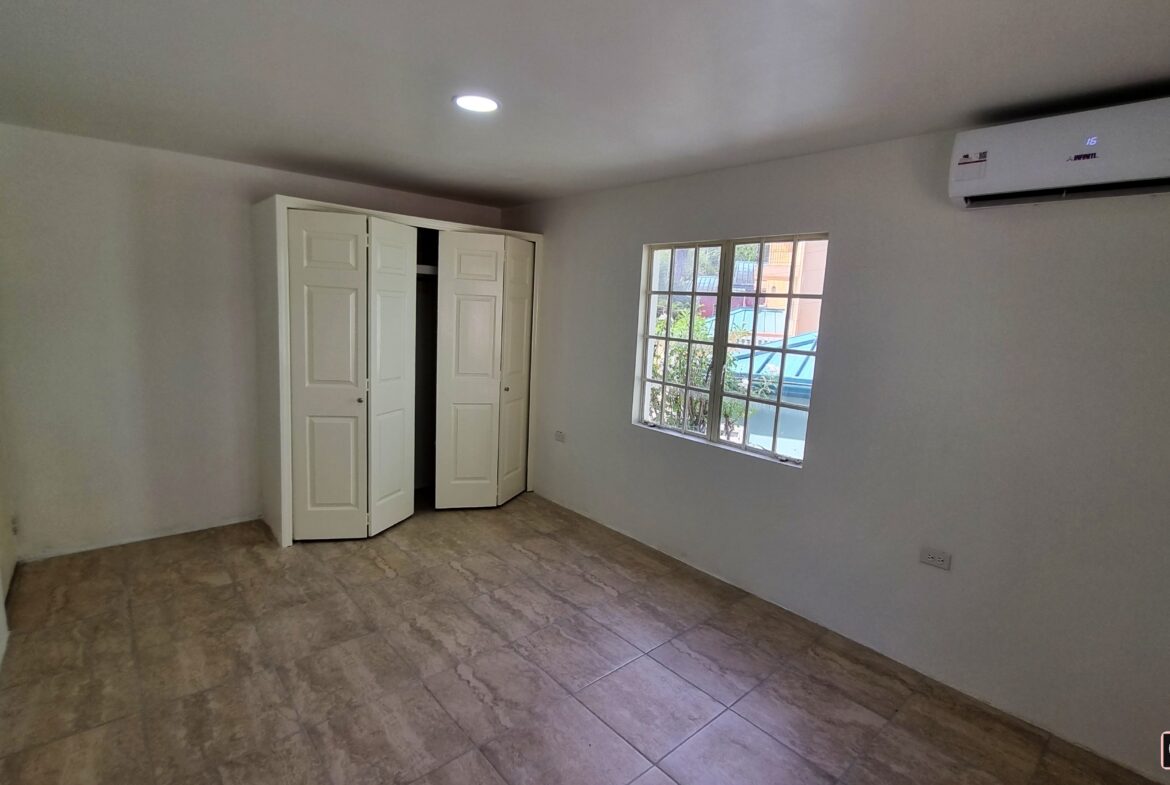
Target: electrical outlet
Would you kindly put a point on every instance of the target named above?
(935, 558)
(559, 436)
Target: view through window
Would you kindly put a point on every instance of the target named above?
(730, 340)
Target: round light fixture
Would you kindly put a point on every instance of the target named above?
(476, 103)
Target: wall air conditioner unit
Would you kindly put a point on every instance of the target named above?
(1102, 152)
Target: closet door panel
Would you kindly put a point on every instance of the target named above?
(327, 314)
(470, 307)
(393, 281)
(517, 360)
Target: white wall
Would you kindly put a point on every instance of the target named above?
(127, 353)
(990, 382)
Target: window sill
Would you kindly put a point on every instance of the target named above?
(763, 456)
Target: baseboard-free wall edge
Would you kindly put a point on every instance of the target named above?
(1073, 747)
(49, 553)
(3, 642)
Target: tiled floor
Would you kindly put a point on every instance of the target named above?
(520, 646)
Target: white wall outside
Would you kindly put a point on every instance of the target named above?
(127, 334)
(989, 382)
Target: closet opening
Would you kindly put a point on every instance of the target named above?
(426, 330)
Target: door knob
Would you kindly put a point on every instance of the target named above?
(507, 389)
(361, 400)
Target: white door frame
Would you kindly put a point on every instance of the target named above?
(281, 520)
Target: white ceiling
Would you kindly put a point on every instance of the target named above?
(593, 92)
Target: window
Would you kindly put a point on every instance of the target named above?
(729, 341)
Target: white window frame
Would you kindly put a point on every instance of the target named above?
(715, 392)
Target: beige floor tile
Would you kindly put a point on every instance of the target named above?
(36, 576)
(724, 667)
(1065, 762)
(651, 707)
(441, 635)
(654, 776)
(387, 601)
(818, 722)
(69, 702)
(153, 581)
(564, 744)
(183, 667)
(189, 614)
(874, 681)
(300, 630)
(111, 754)
(639, 618)
(732, 750)
(335, 679)
(258, 558)
(290, 761)
(582, 583)
(520, 609)
(576, 651)
(897, 757)
(768, 627)
(470, 768)
(274, 590)
(493, 692)
(31, 608)
(241, 718)
(45, 652)
(396, 737)
(369, 564)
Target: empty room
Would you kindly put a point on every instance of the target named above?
(670, 392)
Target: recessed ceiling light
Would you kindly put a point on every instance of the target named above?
(476, 103)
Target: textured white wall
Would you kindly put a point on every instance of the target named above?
(990, 382)
(127, 334)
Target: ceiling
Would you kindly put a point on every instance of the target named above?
(593, 93)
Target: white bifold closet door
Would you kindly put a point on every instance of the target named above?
(484, 335)
(352, 433)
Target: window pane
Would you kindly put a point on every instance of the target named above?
(707, 274)
(739, 323)
(652, 403)
(770, 321)
(676, 362)
(766, 374)
(747, 267)
(731, 419)
(776, 268)
(660, 272)
(798, 379)
(760, 420)
(810, 266)
(804, 323)
(704, 318)
(655, 352)
(790, 439)
(680, 316)
(672, 408)
(735, 375)
(684, 270)
(697, 412)
(657, 324)
(701, 357)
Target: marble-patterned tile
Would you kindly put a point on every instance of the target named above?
(470, 768)
(874, 681)
(818, 722)
(367, 564)
(440, 635)
(260, 558)
(650, 706)
(474, 575)
(42, 653)
(638, 563)
(31, 608)
(161, 551)
(154, 581)
(519, 609)
(580, 583)
(290, 761)
(897, 757)
(110, 754)
(532, 555)
(693, 595)
(564, 744)
(975, 737)
(769, 627)
(300, 630)
(275, 590)
(198, 612)
(241, 718)
(639, 618)
(238, 536)
(394, 738)
(576, 651)
(69, 702)
(732, 750)
(654, 776)
(724, 667)
(177, 668)
(387, 601)
(36, 576)
(335, 679)
(493, 692)
(1064, 764)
